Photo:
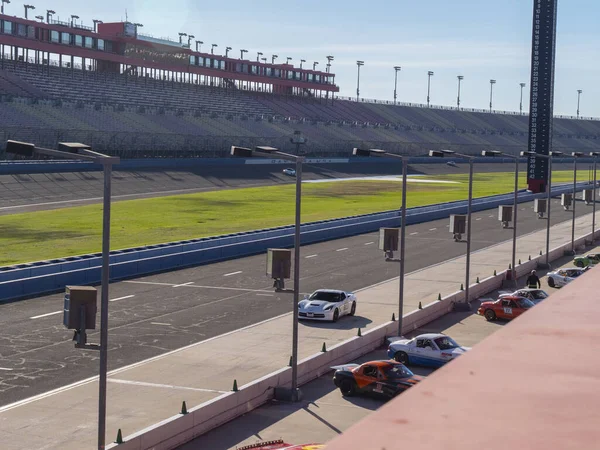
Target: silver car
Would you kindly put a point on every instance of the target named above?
(327, 304)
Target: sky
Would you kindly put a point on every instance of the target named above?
(478, 39)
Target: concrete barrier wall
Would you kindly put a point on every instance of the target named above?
(26, 280)
(179, 429)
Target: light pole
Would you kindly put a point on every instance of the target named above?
(28, 7)
(242, 51)
(199, 46)
(548, 157)
(227, 51)
(84, 153)
(493, 153)
(404, 159)
(73, 18)
(358, 65)
(288, 59)
(258, 55)
(329, 59)
(181, 35)
(302, 61)
(579, 91)
(492, 83)
(521, 103)
(396, 70)
(595, 156)
(460, 78)
(190, 37)
(575, 155)
(465, 306)
(138, 25)
(49, 12)
(212, 48)
(273, 58)
(40, 18)
(264, 60)
(96, 22)
(315, 64)
(429, 75)
(271, 152)
(2, 4)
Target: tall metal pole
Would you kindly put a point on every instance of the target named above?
(104, 308)
(468, 268)
(594, 205)
(396, 69)
(492, 82)
(515, 209)
(521, 102)
(460, 78)
(428, 87)
(296, 280)
(402, 246)
(548, 201)
(358, 64)
(574, 204)
(579, 91)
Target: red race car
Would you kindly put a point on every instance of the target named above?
(280, 445)
(505, 308)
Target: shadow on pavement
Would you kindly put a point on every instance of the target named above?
(344, 323)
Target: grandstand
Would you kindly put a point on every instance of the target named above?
(135, 112)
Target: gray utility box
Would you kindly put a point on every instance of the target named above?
(279, 263)
(566, 200)
(388, 239)
(505, 213)
(539, 206)
(77, 297)
(458, 224)
(588, 196)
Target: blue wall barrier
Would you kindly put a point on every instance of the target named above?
(38, 278)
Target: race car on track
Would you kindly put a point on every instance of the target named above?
(431, 349)
(535, 295)
(327, 304)
(289, 171)
(562, 277)
(380, 378)
(451, 163)
(587, 260)
(279, 444)
(505, 308)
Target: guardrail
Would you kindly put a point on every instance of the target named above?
(43, 277)
(179, 429)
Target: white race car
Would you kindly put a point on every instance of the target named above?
(327, 304)
(289, 171)
(562, 277)
(451, 163)
(535, 295)
(432, 349)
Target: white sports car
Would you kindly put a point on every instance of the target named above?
(432, 349)
(327, 304)
(562, 277)
(289, 171)
(535, 295)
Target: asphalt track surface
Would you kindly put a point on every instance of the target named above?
(155, 314)
(25, 193)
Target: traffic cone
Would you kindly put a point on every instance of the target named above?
(119, 439)
(495, 272)
(290, 363)
(540, 253)
(393, 317)
(324, 348)
(420, 306)
(439, 296)
(462, 288)
(183, 408)
(235, 388)
(359, 334)
(519, 262)
(529, 257)
(477, 281)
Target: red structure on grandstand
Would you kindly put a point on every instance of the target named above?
(119, 48)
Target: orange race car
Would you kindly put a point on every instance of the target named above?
(505, 308)
(279, 444)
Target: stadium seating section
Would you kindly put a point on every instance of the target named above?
(141, 117)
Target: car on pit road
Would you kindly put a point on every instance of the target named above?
(535, 295)
(289, 171)
(431, 349)
(327, 304)
(562, 277)
(587, 260)
(280, 444)
(451, 163)
(505, 308)
(379, 378)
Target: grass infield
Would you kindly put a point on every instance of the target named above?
(74, 231)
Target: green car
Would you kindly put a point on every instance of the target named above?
(584, 261)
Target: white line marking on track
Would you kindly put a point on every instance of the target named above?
(150, 282)
(416, 232)
(46, 315)
(369, 243)
(432, 229)
(310, 256)
(160, 323)
(121, 298)
(479, 218)
(167, 386)
(5, 368)
(342, 249)
(265, 295)
(184, 284)
(232, 273)
(490, 215)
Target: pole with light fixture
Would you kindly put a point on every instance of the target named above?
(396, 70)
(463, 306)
(595, 156)
(575, 155)
(404, 160)
(274, 153)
